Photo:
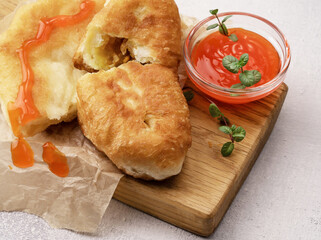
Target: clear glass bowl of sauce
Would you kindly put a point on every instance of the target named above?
(268, 50)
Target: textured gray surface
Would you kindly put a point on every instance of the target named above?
(281, 198)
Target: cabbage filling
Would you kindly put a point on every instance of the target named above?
(103, 52)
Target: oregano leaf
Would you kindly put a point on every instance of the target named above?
(214, 12)
(223, 29)
(257, 75)
(230, 63)
(233, 37)
(222, 118)
(227, 149)
(249, 78)
(235, 65)
(239, 134)
(189, 95)
(212, 26)
(238, 86)
(244, 59)
(240, 130)
(238, 137)
(225, 129)
(214, 111)
(227, 17)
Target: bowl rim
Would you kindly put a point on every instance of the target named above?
(270, 84)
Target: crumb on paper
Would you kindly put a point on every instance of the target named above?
(10, 167)
(210, 144)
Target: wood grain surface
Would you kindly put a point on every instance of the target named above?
(197, 199)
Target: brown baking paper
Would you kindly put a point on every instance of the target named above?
(77, 202)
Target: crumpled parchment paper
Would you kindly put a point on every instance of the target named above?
(77, 202)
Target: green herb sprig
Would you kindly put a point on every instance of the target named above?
(247, 77)
(189, 95)
(222, 27)
(236, 134)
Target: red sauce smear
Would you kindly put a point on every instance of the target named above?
(23, 110)
(56, 160)
(21, 153)
(208, 54)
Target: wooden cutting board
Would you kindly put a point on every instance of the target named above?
(197, 199)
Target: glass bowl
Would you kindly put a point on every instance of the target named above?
(249, 22)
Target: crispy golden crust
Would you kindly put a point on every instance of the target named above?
(149, 31)
(54, 91)
(138, 116)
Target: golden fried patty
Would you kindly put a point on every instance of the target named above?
(54, 90)
(138, 116)
(148, 31)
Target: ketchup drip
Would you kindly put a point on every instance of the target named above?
(56, 160)
(21, 153)
(23, 110)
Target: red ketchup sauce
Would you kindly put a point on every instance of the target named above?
(23, 110)
(207, 56)
(56, 160)
(22, 154)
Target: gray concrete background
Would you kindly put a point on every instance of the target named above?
(281, 198)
